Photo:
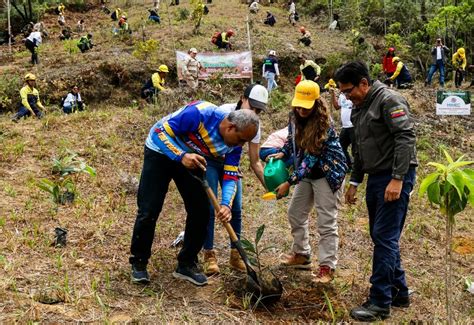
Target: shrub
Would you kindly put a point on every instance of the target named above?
(146, 50)
(9, 91)
(70, 46)
(183, 14)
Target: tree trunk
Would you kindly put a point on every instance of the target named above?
(25, 19)
(448, 270)
(423, 11)
(30, 10)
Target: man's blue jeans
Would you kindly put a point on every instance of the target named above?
(386, 220)
(214, 174)
(438, 66)
(271, 83)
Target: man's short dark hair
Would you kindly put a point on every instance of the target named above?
(352, 72)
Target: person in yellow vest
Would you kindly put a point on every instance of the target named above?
(30, 101)
(61, 8)
(401, 77)
(459, 63)
(155, 84)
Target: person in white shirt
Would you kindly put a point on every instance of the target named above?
(32, 42)
(438, 62)
(61, 20)
(292, 10)
(73, 101)
(255, 98)
(347, 135)
(254, 7)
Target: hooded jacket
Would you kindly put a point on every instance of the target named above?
(384, 135)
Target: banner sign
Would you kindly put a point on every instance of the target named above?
(231, 65)
(453, 102)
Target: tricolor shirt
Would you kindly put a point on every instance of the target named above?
(194, 128)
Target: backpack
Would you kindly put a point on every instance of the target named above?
(297, 17)
(215, 37)
(63, 99)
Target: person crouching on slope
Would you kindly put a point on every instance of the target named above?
(30, 101)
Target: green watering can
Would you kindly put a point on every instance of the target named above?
(275, 173)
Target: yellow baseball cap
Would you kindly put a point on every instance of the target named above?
(306, 93)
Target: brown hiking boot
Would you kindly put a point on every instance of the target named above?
(325, 275)
(210, 262)
(297, 261)
(235, 260)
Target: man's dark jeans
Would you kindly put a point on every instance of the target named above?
(158, 171)
(346, 138)
(386, 220)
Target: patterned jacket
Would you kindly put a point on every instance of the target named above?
(331, 161)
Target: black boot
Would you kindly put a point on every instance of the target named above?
(369, 312)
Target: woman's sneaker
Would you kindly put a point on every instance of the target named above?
(297, 261)
(191, 274)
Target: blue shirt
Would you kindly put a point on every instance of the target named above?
(194, 128)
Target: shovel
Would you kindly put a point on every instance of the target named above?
(267, 290)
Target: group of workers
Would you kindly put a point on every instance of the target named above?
(203, 140)
(30, 103)
(398, 73)
(191, 68)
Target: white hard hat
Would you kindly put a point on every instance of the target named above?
(272, 52)
(193, 50)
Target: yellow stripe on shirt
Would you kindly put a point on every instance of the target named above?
(230, 168)
(168, 129)
(207, 139)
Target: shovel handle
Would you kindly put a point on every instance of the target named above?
(215, 204)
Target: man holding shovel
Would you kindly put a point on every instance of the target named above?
(176, 145)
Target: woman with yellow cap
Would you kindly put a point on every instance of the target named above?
(318, 176)
(459, 63)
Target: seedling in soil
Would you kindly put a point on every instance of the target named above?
(450, 188)
(63, 189)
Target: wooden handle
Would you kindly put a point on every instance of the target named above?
(216, 205)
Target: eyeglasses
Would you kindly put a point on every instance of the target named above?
(348, 90)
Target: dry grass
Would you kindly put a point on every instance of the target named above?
(88, 281)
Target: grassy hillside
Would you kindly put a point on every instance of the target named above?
(88, 280)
